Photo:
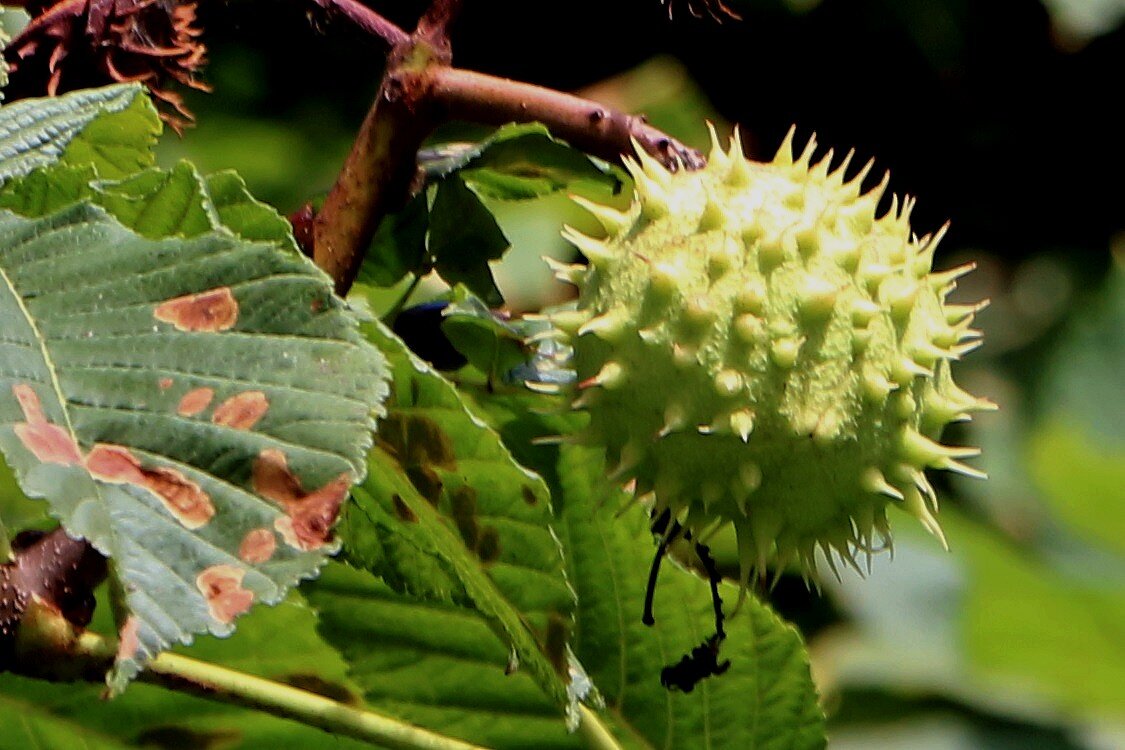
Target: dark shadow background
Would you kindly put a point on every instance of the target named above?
(978, 108)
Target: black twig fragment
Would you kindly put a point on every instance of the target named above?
(667, 539)
(693, 668)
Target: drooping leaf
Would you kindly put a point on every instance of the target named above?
(491, 344)
(279, 643)
(437, 665)
(447, 515)
(112, 129)
(765, 700)
(464, 237)
(520, 161)
(195, 408)
(246, 216)
(399, 246)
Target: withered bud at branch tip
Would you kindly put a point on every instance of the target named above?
(74, 44)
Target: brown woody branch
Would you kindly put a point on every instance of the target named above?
(419, 91)
(367, 20)
(587, 125)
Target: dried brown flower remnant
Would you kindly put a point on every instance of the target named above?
(73, 44)
(716, 9)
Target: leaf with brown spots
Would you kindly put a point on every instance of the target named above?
(446, 514)
(194, 401)
(211, 311)
(138, 400)
(241, 411)
(277, 643)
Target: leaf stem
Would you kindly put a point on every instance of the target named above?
(184, 674)
(595, 733)
(396, 308)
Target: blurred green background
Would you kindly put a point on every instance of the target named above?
(1002, 116)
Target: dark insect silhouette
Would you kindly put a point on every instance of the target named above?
(693, 668)
(703, 661)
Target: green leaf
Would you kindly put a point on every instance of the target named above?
(765, 700)
(464, 237)
(278, 643)
(521, 161)
(111, 128)
(1082, 380)
(48, 189)
(244, 215)
(437, 665)
(990, 624)
(1031, 630)
(447, 515)
(189, 406)
(160, 203)
(28, 724)
(17, 510)
(1084, 480)
(157, 203)
(399, 246)
(491, 344)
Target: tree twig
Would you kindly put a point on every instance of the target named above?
(586, 125)
(377, 176)
(419, 91)
(435, 24)
(367, 20)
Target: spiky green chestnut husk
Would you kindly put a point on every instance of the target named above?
(755, 346)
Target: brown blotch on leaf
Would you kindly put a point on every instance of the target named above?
(309, 516)
(48, 442)
(195, 401)
(211, 311)
(183, 498)
(427, 482)
(529, 495)
(488, 546)
(402, 510)
(128, 639)
(241, 412)
(166, 383)
(257, 546)
(556, 640)
(463, 508)
(418, 441)
(221, 586)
